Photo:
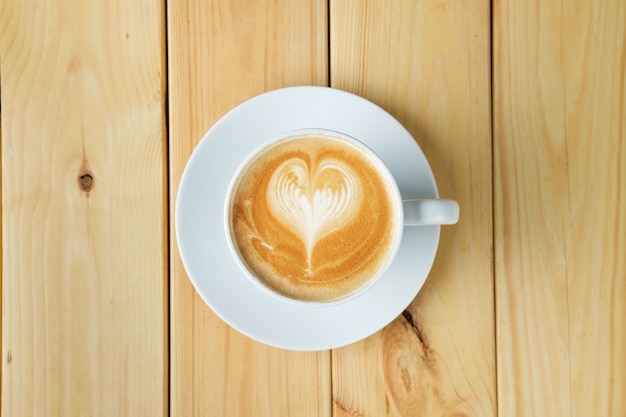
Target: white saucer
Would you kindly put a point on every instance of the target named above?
(202, 239)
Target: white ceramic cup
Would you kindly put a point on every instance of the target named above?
(413, 212)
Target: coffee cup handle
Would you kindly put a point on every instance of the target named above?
(428, 212)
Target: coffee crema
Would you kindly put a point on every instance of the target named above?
(313, 217)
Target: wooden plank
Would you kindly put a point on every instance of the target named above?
(530, 203)
(428, 64)
(595, 109)
(220, 54)
(84, 208)
(559, 130)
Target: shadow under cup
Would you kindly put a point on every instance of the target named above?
(313, 217)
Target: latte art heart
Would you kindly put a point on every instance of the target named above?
(313, 203)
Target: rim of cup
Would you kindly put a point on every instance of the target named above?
(293, 135)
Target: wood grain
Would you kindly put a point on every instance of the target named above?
(220, 54)
(428, 64)
(560, 199)
(83, 208)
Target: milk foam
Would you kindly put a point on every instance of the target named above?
(314, 218)
(299, 197)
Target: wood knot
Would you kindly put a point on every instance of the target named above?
(86, 182)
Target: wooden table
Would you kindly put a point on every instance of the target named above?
(520, 107)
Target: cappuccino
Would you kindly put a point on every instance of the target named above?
(314, 217)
